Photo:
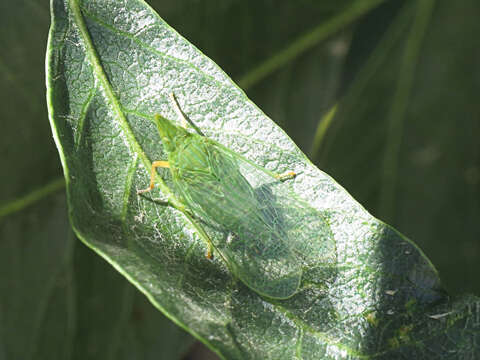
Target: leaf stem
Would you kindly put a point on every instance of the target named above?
(32, 197)
(306, 42)
(322, 129)
(398, 110)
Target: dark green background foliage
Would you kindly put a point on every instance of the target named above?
(404, 77)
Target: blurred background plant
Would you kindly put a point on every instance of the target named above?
(381, 95)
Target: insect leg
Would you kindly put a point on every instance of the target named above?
(183, 117)
(209, 255)
(202, 233)
(286, 176)
(153, 173)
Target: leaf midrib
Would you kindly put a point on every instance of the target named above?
(109, 93)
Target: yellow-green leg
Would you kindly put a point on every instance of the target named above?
(286, 176)
(153, 173)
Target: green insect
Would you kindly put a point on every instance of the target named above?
(270, 235)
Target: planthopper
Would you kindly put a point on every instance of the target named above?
(270, 237)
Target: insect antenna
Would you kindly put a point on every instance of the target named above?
(185, 119)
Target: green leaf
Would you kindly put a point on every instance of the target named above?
(110, 67)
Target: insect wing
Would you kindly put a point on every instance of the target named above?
(269, 234)
(305, 229)
(247, 235)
